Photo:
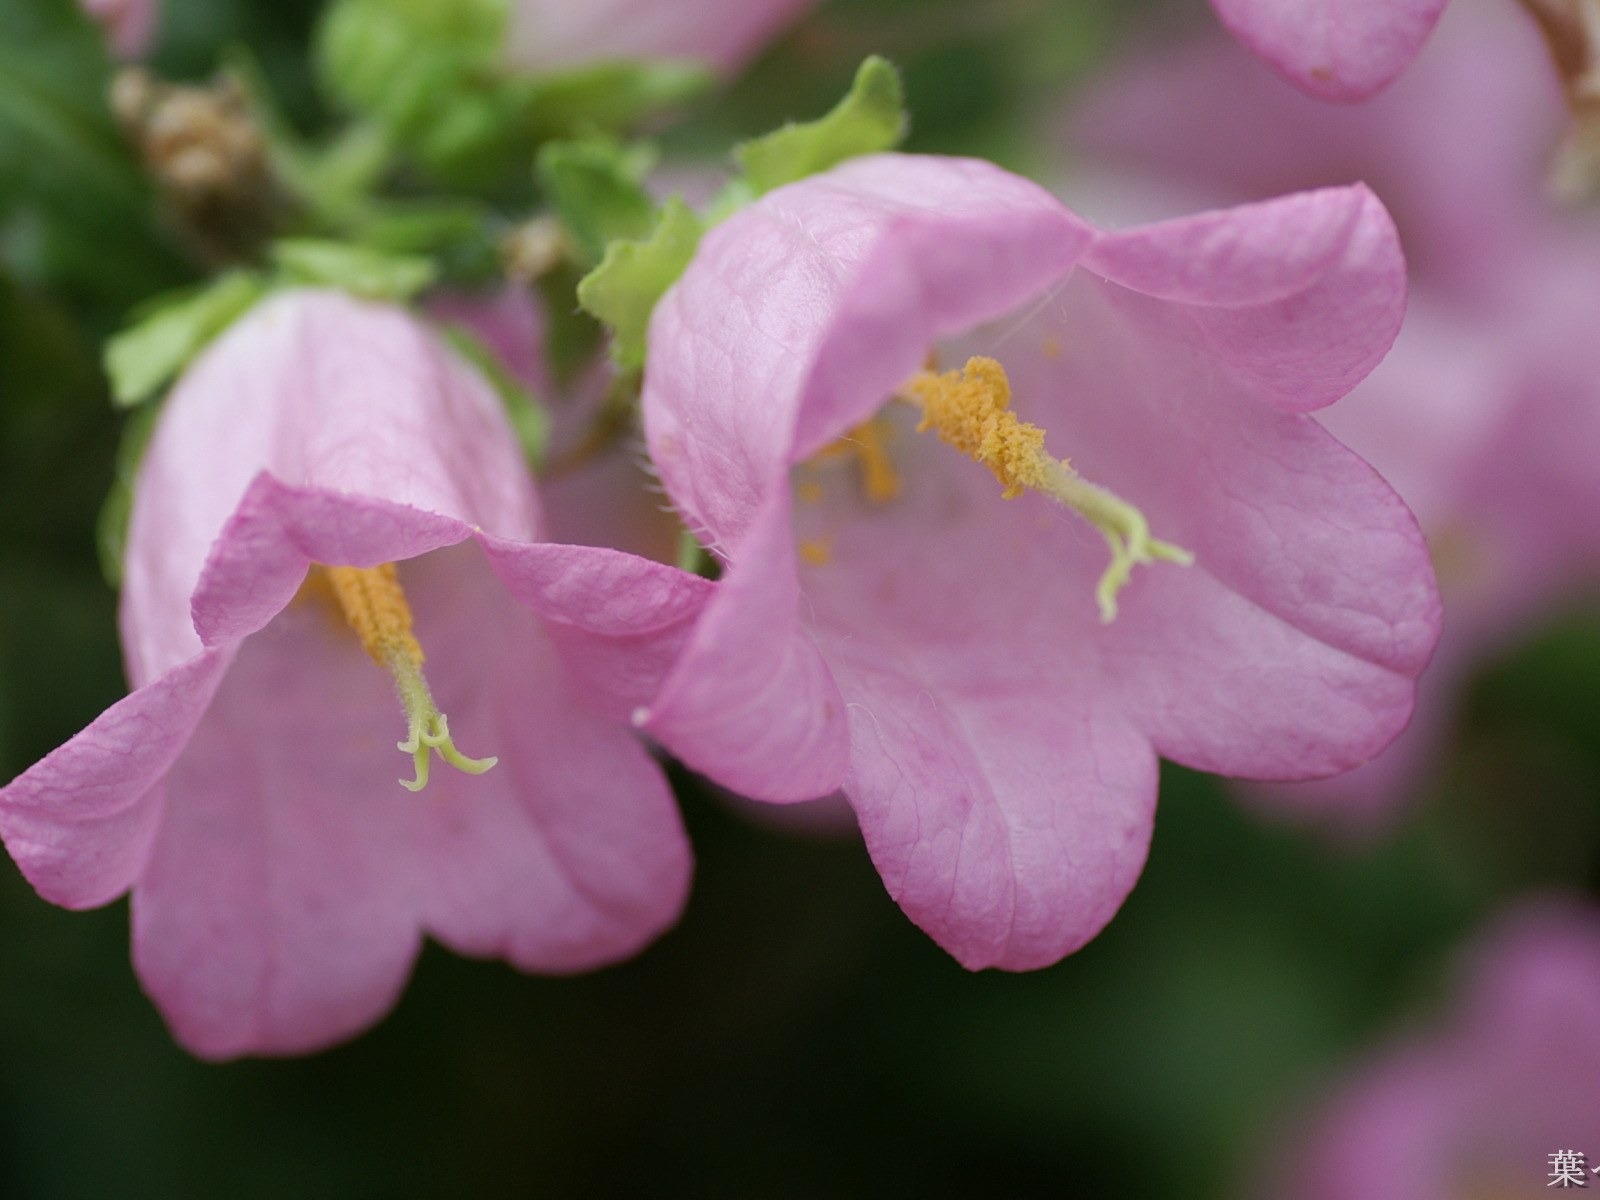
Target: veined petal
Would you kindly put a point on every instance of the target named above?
(750, 701)
(1301, 296)
(321, 391)
(292, 879)
(802, 313)
(1335, 49)
(79, 822)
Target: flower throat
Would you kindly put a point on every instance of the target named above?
(375, 607)
(970, 409)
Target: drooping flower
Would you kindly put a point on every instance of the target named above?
(889, 623)
(1478, 415)
(130, 25)
(551, 34)
(331, 492)
(1475, 1106)
(1344, 50)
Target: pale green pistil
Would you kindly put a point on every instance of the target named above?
(375, 606)
(971, 411)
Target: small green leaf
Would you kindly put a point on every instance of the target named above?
(528, 417)
(870, 119)
(609, 96)
(623, 290)
(360, 270)
(170, 331)
(572, 337)
(594, 187)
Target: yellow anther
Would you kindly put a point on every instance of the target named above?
(970, 409)
(879, 479)
(815, 552)
(374, 605)
(868, 445)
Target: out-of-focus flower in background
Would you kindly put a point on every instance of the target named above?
(889, 624)
(1343, 50)
(246, 791)
(130, 25)
(596, 487)
(1482, 413)
(553, 34)
(1475, 1104)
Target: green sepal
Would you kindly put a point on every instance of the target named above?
(623, 290)
(432, 74)
(111, 527)
(871, 118)
(572, 337)
(608, 96)
(170, 330)
(359, 270)
(595, 188)
(528, 417)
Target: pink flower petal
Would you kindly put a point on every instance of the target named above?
(552, 34)
(292, 878)
(1302, 296)
(79, 823)
(1342, 50)
(325, 392)
(768, 722)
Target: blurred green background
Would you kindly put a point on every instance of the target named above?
(795, 1036)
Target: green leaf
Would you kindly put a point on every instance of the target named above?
(528, 417)
(623, 290)
(432, 75)
(609, 96)
(594, 187)
(871, 118)
(360, 270)
(170, 331)
(572, 337)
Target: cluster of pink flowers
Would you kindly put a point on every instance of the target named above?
(1003, 505)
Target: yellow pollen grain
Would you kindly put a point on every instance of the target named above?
(879, 479)
(816, 552)
(375, 606)
(1051, 347)
(970, 409)
(809, 491)
(868, 445)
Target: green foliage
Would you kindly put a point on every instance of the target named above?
(169, 331)
(430, 74)
(623, 290)
(607, 96)
(871, 118)
(360, 270)
(596, 188)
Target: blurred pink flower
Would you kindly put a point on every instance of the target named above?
(887, 624)
(130, 25)
(724, 34)
(1475, 1106)
(596, 489)
(246, 791)
(1482, 414)
(1342, 50)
